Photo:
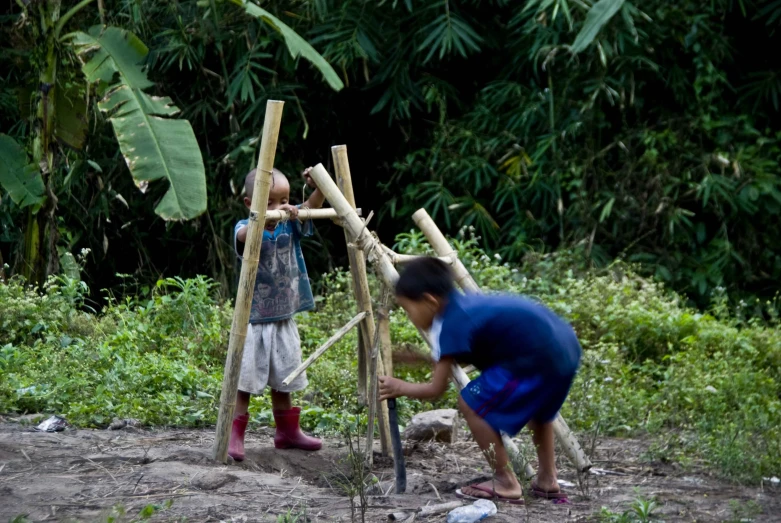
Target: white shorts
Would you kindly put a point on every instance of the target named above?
(271, 352)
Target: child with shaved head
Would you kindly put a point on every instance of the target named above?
(273, 348)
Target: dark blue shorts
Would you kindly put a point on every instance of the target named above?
(508, 401)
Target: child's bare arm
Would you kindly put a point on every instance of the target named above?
(242, 234)
(317, 198)
(393, 387)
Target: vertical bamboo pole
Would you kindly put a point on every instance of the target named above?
(442, 247)
(357, 268)
(249, 268)
(383, 326)
(372, 405)
(363, 298)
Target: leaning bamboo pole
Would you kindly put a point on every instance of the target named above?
(249, 268)
(376, 255)
(403, 259)
(442, 247)
(327, 345)
(362, 297)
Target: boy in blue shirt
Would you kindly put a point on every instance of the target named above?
(527, 356)
(272, 349)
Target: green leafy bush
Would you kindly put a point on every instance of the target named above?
(704, 385)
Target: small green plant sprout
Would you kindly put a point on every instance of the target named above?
(641, 511)
(744, 511)
(297, 514)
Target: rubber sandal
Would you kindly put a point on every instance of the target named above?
(495, 497)
(557, 497)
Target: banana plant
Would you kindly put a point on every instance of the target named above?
(156, 145)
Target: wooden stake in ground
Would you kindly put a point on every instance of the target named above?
(383, 330)
(443, 248)
(362, 297)
(357, 268)
(249, 268)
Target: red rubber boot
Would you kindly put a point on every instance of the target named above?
(236, 445)
(289, 435)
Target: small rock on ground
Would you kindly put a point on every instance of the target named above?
(438, 425)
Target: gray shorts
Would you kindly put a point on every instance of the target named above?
(271, 352)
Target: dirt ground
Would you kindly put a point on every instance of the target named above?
(81, 475)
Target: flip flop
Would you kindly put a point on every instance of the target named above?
(557, 497)
(495, 496)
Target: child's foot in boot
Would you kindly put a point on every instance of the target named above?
(289, 435)
(236, 445)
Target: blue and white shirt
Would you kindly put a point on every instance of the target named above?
(282, 284)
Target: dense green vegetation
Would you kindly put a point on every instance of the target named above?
(646, 131)
(704, 386)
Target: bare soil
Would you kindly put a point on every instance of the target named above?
(81, 475)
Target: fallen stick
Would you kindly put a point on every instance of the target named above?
(327, 345)
(430, 510)
(426, 511)
(442, 247)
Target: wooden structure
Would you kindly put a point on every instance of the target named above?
(374, 346)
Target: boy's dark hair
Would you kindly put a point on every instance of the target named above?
(249, 181)
(425, 276)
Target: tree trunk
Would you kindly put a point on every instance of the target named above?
(41, 235)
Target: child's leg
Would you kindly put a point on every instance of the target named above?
(280, 400)
(505, 483)
(285, 357)
(242, 403)
(542, 436)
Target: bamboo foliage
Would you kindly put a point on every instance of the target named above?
(238, 334)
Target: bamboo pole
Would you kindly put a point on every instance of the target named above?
(442, 247)
(327, 345)
(359, 234)
(362, 296)
(377, 256)
(384, 335)
(372, 396)
(403, 259)
(305, 214)
(357, 270)
(383, 326)
(249, 268)
(374, 356)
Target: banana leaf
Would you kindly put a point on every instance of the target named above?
(18, 176)
(154, 145)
